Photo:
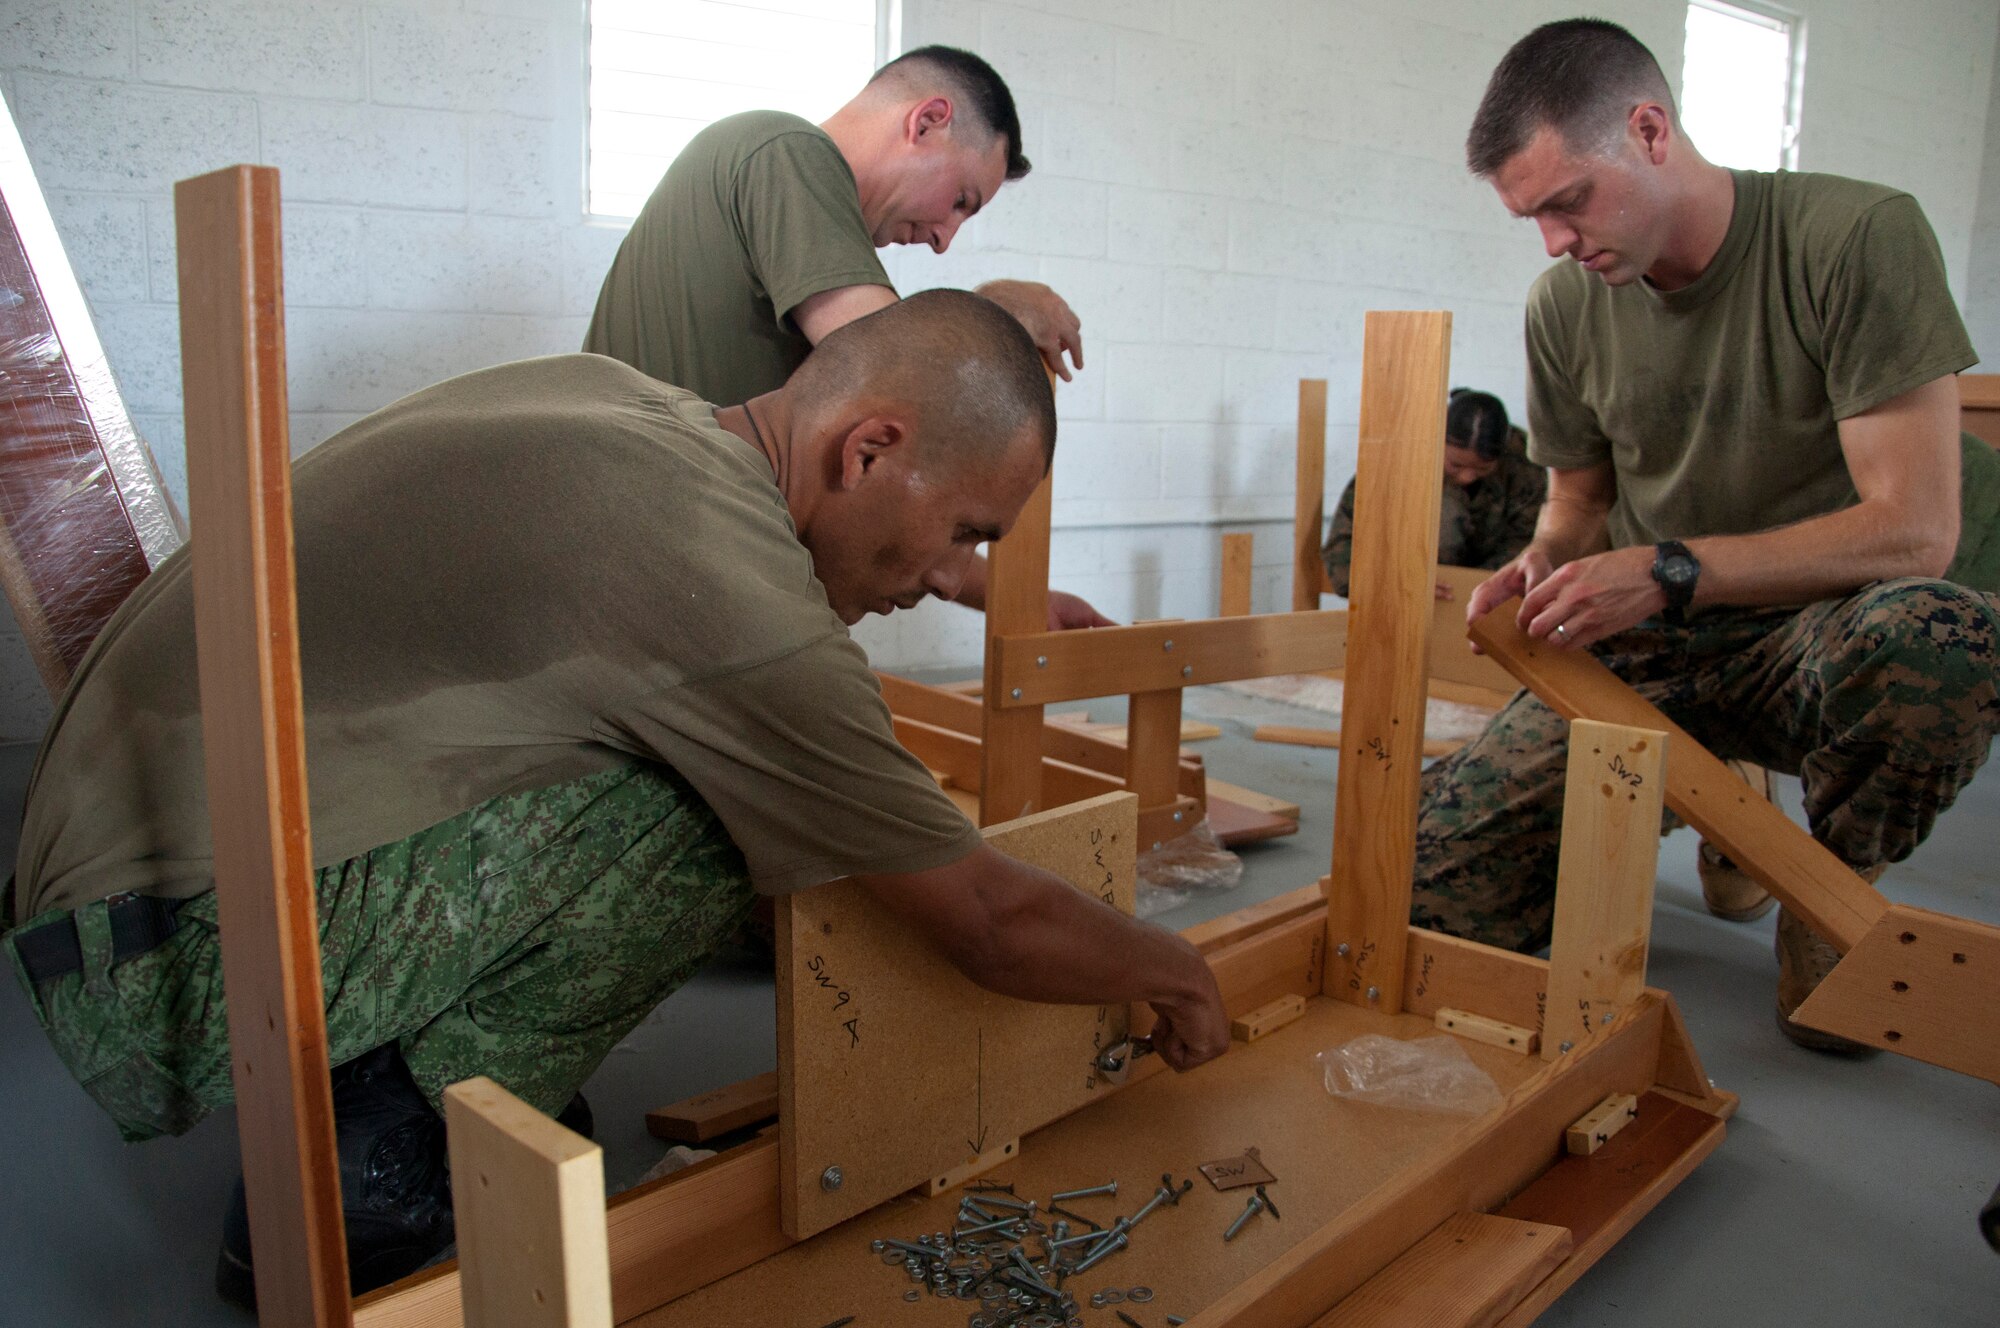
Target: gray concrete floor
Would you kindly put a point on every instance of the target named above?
(1845, 1193)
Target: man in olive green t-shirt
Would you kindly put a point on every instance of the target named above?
(1743, 386)
(761, 238)
(577, 682)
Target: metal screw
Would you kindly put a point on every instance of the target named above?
(1187, 670)
(1041, 661)
(1567, 1046)
(1156, 843)
(1068, 1241)
(1374, 993)
(829, 1180)
(1010, 1225)
(1159, 1198)
(1167, 645)
(1267, 1202)
(1007, 1201)
(1110, 1247)
(1016, 693)
(1607, 1016)
(1109, 1187)
(1177, 821)
(1249, 1211)
(1342, 949)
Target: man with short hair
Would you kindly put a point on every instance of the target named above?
(578, 685)
(1742, 383)
(761, 237)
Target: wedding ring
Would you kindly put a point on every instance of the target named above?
(1562, 630)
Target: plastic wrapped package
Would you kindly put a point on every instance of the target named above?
(1426, 1074)
(1187, 865)
(84, 516)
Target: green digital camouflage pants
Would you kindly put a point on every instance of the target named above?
(520, 940)
(1884, 704)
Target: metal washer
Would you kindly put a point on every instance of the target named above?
(1139, 1295)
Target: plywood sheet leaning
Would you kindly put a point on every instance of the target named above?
(892, 1067)
(1398, 490)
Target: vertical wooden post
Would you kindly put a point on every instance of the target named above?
(528, 1197)
(1152, 750)
(1238, 552)
(1604, 883)
(1399, 486)
(1017, 603)
(1309, 497)
(253, 732)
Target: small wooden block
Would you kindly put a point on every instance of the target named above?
(1595, 1128)
(977, 1166)
(1267, 1018)
(1493, 1032)
(702, 1117)
(1252, 799)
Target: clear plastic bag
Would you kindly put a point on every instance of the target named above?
(1187, 865)
(1427, 1074)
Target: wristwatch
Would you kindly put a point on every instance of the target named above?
(1676, 570)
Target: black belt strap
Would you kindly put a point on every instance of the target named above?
(138, 924)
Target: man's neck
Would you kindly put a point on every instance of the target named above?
(1700, 224)
(765, 423)
(856, 133)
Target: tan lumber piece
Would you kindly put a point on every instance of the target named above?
(253, 735)
(958, 757)
(1227, 930)
(1979, 406)
(1238, 552)
(1152, 751)
(1448, 973)
(1466, 1274)
(704, 1116)
(1601, 1197)
(1309, 497)
(1493, 1032)
(1398, 489)
(971, 687)
(1604, 879)
(1192, 730)
(1268, 1018)
(1253, 800)
(871, 1012)
(1451, 659)
(528, 1201)
(1595, 1128)
(1754, 833)
(1923, 984)
(1303, 736)
(1103, 661)
(1232, 823)
(1017, 603)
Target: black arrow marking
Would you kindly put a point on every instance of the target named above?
(979, 1093)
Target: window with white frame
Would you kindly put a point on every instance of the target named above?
(1740, 83)
(663, 70)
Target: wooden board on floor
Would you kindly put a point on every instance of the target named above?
(1921, 984)
(1767, 844)
(1233, 823)
(1468, 1273)
(1250, 798)
(892, 1067)
(704, 1116)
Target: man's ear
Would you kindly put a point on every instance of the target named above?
(1653, 128)
(863, 447)
(930, 117)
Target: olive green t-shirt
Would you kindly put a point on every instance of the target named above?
(514, 578)
(757, 214)
(1717, 404)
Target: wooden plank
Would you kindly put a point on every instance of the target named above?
(1309, 497)
(1757, 835)
(1192, 730)
(1979, 391)
(1602, 1197)
(1238, 552)
(1075, 666)
(870, 1012)
(1247, 922)
(1492, 1032)
(528, 1202)
(1398, 490)
(704, 1116)
(1017, 604)
(1302, 736)
(1451, 657)
(1267, 1018)
(1152, 752)
(1233, 824)
(1598, 1126)
(1447, 972)
(1467, 1273)
(253, 735)
(958, 756)
(1604, 879)
(1922, 984)
(1253, 800)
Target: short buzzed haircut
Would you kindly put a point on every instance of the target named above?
(975, 88)
(966, 365)
(1581, 76)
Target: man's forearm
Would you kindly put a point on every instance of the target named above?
(1051, 942)
(1819, 558)
(1568, 529)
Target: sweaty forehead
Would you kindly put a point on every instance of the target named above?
(1542, 172)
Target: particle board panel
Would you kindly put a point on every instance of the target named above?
(1328, 1155)
(1921, 984)
(869, 1012)
(529, 1204)
(1604, 879)
(1398, 491)
(1309, 497)
(1467, 1273)
(1756, 834)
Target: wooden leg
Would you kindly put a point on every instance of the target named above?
(1017, 603)
(1237, 553)
(1308, 573)
(1152, 748)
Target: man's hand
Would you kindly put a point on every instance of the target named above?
(1050, 322)
(1188, 1034)
(1441, 591)
(1582, 602)
(1068, 611)
(1528, 570)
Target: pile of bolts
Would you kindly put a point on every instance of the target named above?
(986, 1255)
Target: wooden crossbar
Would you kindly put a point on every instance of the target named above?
(1047, 667)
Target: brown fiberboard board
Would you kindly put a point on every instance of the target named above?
(892, 1067)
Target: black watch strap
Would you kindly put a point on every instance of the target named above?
(1676, 569)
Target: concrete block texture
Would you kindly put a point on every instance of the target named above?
(389, 156)
(448, 263)
(122, 138)
(89, 38)
(299, 50)
(104, 236)
(460, 62)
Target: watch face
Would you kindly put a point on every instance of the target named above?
(1678, 571)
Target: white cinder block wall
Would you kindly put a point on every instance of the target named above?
(1221, 189)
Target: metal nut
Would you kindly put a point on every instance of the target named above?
(829, 1180)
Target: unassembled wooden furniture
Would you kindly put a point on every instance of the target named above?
(83, 514)
(1381, 1207)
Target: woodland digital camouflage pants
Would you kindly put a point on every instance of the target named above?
(1884, 704)
(520, 940)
